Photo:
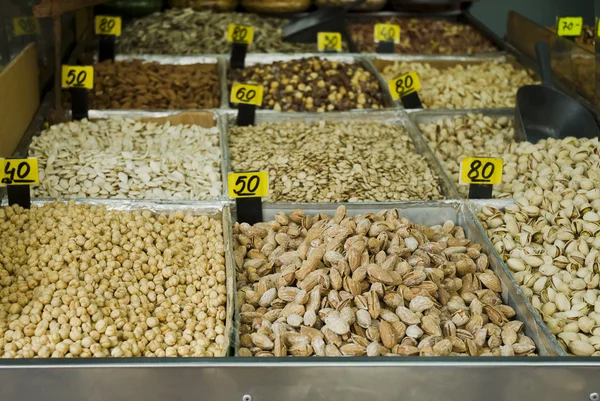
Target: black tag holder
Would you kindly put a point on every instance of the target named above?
(385, 47)
(480, 191)
(79, 104)
(246, 115)
(412, 101)
(249, 210)
(106, 48)
(238, 55)
(19, 194)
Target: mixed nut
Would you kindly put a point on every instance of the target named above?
(373, 284)
(334, 161)
(463, 85)
(128, 159)
(83, 281)
(141, 85)
(312, 84)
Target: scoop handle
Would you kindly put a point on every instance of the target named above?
(542, 51)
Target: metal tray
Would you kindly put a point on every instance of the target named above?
(433, 213)
(390, 117)
(253, 59)
(215, 209)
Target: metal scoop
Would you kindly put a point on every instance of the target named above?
(544, 112)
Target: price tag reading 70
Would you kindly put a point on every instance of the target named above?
(248, 185)
(387, 33)
(19, 171)
(77, 77)
(247, 94)
(240, 34)
(329, 41)
(569, 26)
(481, 170)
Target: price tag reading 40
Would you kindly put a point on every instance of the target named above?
(405, 85)
(247, 94)
(106, 25)
(569, 26)
(481, 170)
(387, 33)
(19, 171)
(26, 26)
(248, 185)
(74, 76)
(240, 34)
(329, 41)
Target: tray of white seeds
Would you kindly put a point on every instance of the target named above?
(113, 278)
(178, 157)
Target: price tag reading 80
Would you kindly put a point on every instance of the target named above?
(404, 85)
(329, 41)
(387, 33)
(247, 94)
(240, 34)
(481, 170)
(248, 185)
(569, 26)
(74, 76)
(19, 171)
(26, 26)
(106, 25)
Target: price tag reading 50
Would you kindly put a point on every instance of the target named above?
(19, 171)
(74, 76)
(569, 26)
(405, 85)
(329, 41)
(240, 34)
(387, 33)
(106, 25)
(248, 185)
(481, 170)
(247, 94)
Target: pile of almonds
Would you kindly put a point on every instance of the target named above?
(373, 284)
(142, 85)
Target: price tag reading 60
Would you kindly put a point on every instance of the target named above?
(247, 94)
(481, 170)
(248, 185)
(240, 34)
(74, 76)
(329, 41)
(19, 171)
(387, 33)
(404, 85)
(106, 25)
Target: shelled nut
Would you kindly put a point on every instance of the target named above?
(313, 84)
(470, 135)
(549, 237)
(140, 85)
(373, 284)
(82, 281)
(128, 159)
(185, 31)
(424, 36)
(334, 162)
(464, 86)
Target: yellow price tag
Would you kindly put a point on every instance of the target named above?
(107, 25)
(329, 41)
(481, 170)
(569, 26)
(19, 171)
(26, 26)
(240, 34)
(247, 94)
(248, 185)
(404, 85)
(387, 33)
(74, 76)
(598, 27)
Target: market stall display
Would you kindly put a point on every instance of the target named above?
(462, 84)
(314, 84)
(220, 5)
(276, 6)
